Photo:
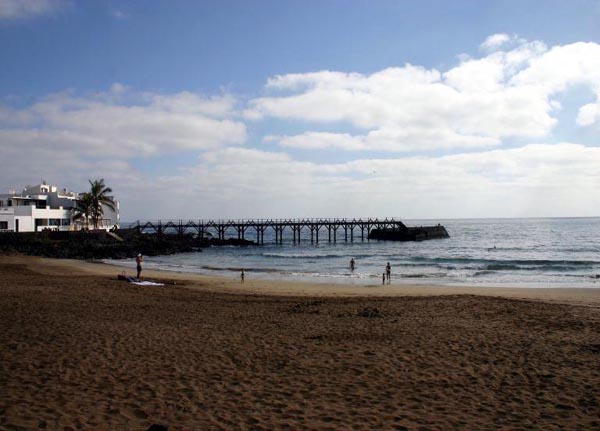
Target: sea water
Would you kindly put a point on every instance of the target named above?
(544, 252)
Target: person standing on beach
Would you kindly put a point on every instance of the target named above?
(388, 272)
(138, 261)
(352, 264)
(242, 276)
(383, 278)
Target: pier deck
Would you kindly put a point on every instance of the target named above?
(255, 229)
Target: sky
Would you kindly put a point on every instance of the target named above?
(256, 109)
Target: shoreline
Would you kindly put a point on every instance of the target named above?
(588, 296)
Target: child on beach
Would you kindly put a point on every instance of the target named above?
(242, 276)
(383, 278)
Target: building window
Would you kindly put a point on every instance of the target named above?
(66, 222)
(3, 225)
(54, 222)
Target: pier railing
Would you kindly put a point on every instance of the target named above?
(256, 228)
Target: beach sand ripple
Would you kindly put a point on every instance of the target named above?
(88, 352)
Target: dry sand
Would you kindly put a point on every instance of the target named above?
(80, 350)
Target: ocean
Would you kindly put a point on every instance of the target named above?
(532, 252)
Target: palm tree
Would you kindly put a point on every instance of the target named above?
(99, 196)
(83, 209)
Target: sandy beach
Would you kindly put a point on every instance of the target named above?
(81, 350)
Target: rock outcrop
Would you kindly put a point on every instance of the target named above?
(404, 233)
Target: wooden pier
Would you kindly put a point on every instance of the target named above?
(330, 229)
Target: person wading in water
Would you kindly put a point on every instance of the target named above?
(388, 272)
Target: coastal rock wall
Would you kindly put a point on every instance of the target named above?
(126, 243)
(91, 245)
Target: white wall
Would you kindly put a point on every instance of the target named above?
(27, 215)
(7, 214)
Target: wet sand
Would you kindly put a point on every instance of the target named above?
(81, 350)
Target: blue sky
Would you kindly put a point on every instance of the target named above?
(204, 46)
(268, 108)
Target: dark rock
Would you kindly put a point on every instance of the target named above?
(403, 233)
(230, 241)
(93, 245)
(122, 244)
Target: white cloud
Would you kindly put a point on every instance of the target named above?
(384, 140)
(16, 9)
(244, 182)
(320, 140)
(119, 14)
(495, 41)
(498, 40)
(240, 182)
(561, 67)
(124, 124)
(191, 103)
(480, 102)
(589, 114)
(66, 138)
(118, 88)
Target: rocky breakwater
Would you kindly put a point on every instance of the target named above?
(405, 233)
(126, 243)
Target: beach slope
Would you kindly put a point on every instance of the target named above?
(80, 350)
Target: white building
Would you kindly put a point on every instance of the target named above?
(44, 206)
